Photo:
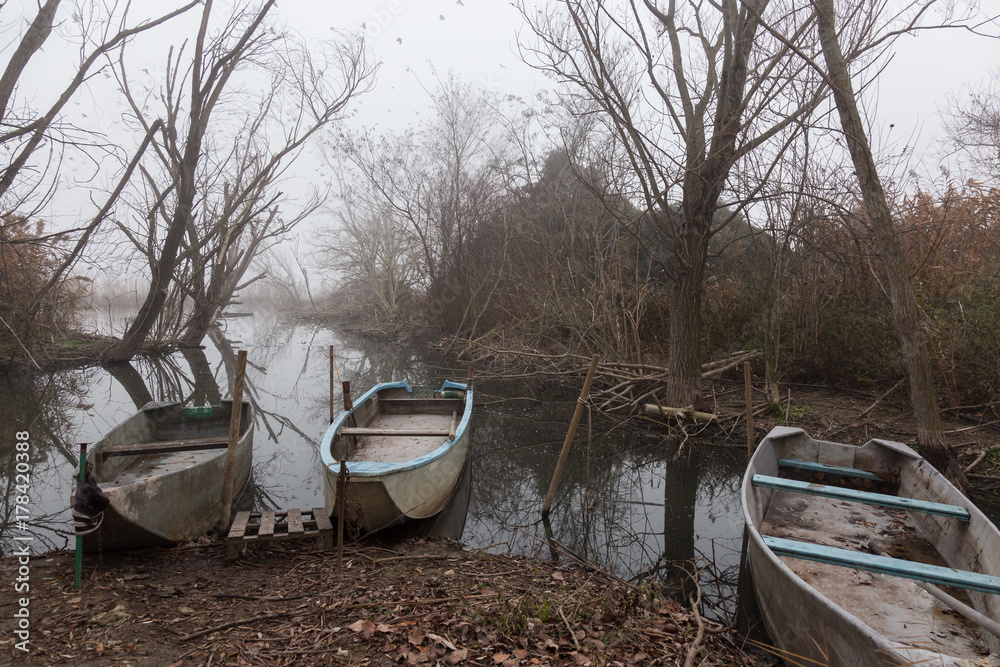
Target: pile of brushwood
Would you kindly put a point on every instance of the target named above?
(420, 603)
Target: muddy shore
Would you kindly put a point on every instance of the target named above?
(427, 602)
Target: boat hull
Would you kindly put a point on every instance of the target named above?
(379, 494)
(806, 626)
(164, 500)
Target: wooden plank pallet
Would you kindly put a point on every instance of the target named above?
(294, 524)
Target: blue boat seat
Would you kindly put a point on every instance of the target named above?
(867, 497)
(897, 567)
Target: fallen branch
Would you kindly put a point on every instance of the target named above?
(695, 646)
(569, 629)
(230, 624)
(866, 411)
(979, 459)
(687, 413)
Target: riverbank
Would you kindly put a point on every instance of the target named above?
(420, 602)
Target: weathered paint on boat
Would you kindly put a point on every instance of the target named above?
(164, 499)
(806, 626)
(383, 493)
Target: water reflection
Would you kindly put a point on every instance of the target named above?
(621, 501)
(631, 509)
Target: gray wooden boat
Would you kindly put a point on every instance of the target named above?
(404, 454)
(163, 470)
(848, 547)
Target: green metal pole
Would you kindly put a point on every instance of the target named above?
(79, 540)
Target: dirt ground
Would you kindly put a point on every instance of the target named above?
(423, 602)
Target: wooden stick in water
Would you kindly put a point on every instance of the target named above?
(584, 393)
(331, 384)
(226, 502)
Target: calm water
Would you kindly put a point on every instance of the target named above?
(621, 502)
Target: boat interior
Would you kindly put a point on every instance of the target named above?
(859, 540)
(395, 426)
(163, 438)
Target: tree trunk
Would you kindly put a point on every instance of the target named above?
(906, 313)
(198, 324)
(163, 269)
(684, 364)
(33, 38)
(206, 389)
(128, 377)
(772, 344)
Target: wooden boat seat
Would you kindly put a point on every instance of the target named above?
(837, 470)
(167, 446)
(351, 430)
(866, 497)
(897, 567)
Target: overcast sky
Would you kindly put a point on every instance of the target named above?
(477, 39)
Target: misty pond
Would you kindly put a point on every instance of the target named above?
(621, 502)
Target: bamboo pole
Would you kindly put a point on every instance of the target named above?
(746, 382)
(331, 384)
(584, 393)
(78, 570)
(226, 502)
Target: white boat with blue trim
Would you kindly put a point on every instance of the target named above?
(848, 546)
(404, 453)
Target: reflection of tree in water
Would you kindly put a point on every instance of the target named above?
(636, 516)
(39, 404)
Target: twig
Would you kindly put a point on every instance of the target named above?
(695, 646)
(972, 428)
(979, 459)
(18, 339)
(242, 621)
(569, 629)
(417, 557)
(866, 411)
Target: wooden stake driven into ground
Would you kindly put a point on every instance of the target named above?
(226, 502)
(584, 393)
(749, 392)
(78, 569)
(342, 477)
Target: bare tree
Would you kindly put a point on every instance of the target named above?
(215, 193)
(974, 129)
(909, 320)
(32, 143)
(442, 185)
(24, 132)
(683, 92)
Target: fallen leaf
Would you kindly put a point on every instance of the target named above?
(500, 657)
(520, 654)
(356, 626)
(444, 642)
(558, 576)
(457, 657)
(416, 636)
